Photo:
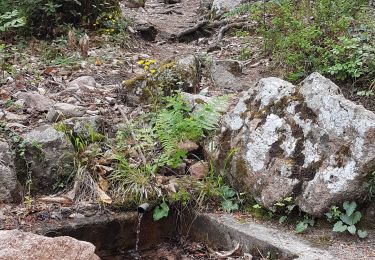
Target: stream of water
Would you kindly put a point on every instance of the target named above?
(136, 253)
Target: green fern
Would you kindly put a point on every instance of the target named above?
(176, 123)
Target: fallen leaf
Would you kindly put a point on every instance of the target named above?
(98, 62)
(103, 196)
(103, 183)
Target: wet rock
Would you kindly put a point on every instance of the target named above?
(225, 74)
(199, 170)
(49, 156)
(68, 110)
(308, 142)
(10, 188)
(33, 101)
(18, 245)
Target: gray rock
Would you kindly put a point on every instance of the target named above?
(225, 74)
(85, 127)
(87, 82)
(34, 101)
(180, 74)
(10, 188)
(308, 142)
(18, 245)
(49, 156)
(69, 110)
(189, 68)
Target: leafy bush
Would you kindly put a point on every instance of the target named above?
(42, 17)
(334, 37)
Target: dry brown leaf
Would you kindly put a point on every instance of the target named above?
(49, 70)
(103, 196)
(84, 45)
(98, 62)
(71, 39)
(103, 183)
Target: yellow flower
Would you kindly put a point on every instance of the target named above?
(146, 67)
(153, 61)
(140, 62)
(153, 71)
(148, 63)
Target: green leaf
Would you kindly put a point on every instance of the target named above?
(229, 206)
(227, 192)
(352, 229)
(339, 227)
(282, 219)
(351, 220)
(362, 233)
(349, 207)
(301, 226)
(356, 217)
(160, 211)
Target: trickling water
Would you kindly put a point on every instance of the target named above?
(140, 216)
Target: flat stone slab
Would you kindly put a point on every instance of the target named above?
(224, 232)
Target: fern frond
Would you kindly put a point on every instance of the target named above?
(208, 115)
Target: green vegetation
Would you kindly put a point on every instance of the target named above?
(346, 219)
(335, 37)
(42, 17)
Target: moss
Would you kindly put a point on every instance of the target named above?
(131, 83)
(258, 213)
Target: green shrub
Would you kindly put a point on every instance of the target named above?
(42, 17)
(335, 37)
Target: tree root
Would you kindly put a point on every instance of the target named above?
(224, 29)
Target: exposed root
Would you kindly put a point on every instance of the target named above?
(224, 29)
(191, 30)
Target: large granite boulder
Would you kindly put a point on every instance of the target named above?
(48, 155)
(10, 188)
(18, 245)
(305, 141)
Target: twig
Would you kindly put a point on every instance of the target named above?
(133, 136)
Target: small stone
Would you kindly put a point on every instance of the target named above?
(9, 116)
(199, 170)
(69, 110)
(34, 101)
(84, 81)
(53, 115)
(76, 215)
(188, 146)
(42, 91)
